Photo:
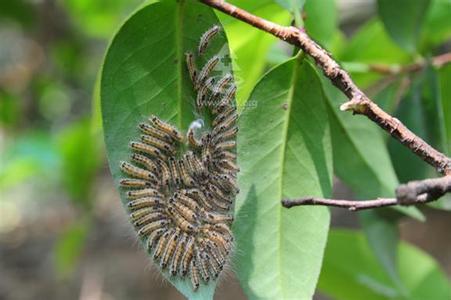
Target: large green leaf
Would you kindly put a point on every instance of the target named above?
(403, 19)
(250, 46)
(284, 152)
(350, 272)
(144, 73)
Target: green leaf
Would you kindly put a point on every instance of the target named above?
(445, 104)
(144, 73)
(426, 111)
(403, 19)
(322, 31)
(350, 272)
(422, 111)
(361, 48)
(382, 233)
(250, 50)
(437, 26)
(284, 152)
(361, 158)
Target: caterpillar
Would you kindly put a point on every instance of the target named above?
(180, 202)
(206, 38)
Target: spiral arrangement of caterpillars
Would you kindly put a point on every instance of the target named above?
(181, 203)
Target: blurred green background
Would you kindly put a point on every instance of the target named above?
(63, 233)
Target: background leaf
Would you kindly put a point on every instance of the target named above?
(350, 272)
(249, 51)
(422, 111)
(284, 151)
(437, 26)
(445, 104)
(361, 49)
(145, 73)
(403, 19)
(382, 233)
(321, 21)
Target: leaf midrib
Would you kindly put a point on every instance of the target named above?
(294, 78)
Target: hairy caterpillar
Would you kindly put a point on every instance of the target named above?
(180, 203)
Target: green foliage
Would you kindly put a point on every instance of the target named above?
(285, 143)
(144, 73)
(421, 111)
(364, 47)
(291, 5)
(445, 105)
(295, 7)
(284, 151)
(69, 247)
(9, 109)
(79, 152)
(19, 10)
(437, 26)
(351, 272)
(321, 21)
(98, 18)
(370, 159)
(31, 155)
(403, 19)
(381, 230)
(250, 51)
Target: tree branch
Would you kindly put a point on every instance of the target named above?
(358, 102)
(412, 193)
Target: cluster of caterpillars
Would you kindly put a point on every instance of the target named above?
(181, 203)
